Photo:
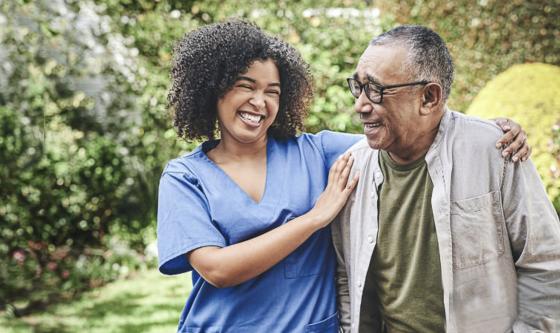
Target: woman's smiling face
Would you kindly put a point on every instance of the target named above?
(250, 107)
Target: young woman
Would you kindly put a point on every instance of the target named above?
(247, 213)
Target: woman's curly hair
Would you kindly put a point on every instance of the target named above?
(207, 62)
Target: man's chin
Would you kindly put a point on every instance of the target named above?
(374, 144)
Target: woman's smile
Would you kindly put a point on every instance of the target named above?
(251, 119)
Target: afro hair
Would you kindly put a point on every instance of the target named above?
(208, 61)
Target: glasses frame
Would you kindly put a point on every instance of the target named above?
(381, 88)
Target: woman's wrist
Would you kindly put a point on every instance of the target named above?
(315, 219)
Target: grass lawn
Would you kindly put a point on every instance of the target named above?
(148, 302)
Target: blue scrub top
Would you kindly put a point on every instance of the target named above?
(199, 205)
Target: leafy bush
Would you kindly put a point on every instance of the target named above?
(47, 274)
(75, 157)
(529, 93)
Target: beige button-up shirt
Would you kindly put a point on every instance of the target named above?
(498, 234)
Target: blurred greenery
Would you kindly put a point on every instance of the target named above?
(147, 302)
(530, 94)
(85, 132)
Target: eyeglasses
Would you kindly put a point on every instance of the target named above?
(374, 91)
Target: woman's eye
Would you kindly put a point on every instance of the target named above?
(244, 86)
(273, 92)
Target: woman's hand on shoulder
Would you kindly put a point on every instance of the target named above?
(337, 192)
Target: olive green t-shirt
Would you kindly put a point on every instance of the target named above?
(404, 277)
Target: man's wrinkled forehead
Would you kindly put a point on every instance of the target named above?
(379, 60)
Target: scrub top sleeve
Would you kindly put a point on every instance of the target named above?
(183, 222)
(335, 144)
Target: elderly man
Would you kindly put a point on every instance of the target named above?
(442, 233)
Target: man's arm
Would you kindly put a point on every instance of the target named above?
(534, 232)
(342, 287)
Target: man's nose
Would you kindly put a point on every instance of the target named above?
(363, 104)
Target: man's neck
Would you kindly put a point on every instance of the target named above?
(418, 145)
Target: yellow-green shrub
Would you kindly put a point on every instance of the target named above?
(530, 94)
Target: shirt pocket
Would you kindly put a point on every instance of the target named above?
(477, 230)
(328, 325)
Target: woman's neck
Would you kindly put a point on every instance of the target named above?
(234, 151)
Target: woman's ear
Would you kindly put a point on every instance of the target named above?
(431, 98)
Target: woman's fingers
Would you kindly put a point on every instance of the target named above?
(339, 175)
(351, 185)
(339, 188)
(333, 173)
(336, 169)
(343, 177)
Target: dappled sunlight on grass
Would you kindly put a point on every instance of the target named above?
(148, 302)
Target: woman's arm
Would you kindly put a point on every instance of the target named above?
(237, 263)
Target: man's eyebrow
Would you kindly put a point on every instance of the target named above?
(370, 78)
(373, 80)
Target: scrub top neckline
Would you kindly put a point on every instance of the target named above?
(208, 145)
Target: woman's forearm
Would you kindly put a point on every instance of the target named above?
(237, 263)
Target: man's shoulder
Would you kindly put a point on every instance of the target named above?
(361, 148)
(361, 151)
(473, 128)
(469, 141)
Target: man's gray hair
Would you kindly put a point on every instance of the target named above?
(428, 57)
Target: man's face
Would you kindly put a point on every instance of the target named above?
(391, 125)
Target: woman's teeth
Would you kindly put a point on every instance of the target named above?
(251, 117)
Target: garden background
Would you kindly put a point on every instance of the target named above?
(85, 133)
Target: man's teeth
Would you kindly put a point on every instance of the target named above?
(250, 117)
(373, 125)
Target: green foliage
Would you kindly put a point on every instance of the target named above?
(145, 302)
(485, 37)
(530, 94)
(75, 153)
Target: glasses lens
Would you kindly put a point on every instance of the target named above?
(355, 88)
(373, 93)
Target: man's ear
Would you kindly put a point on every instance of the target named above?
(431, 98)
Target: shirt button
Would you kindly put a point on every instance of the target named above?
(370, 239)
(360, 285)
